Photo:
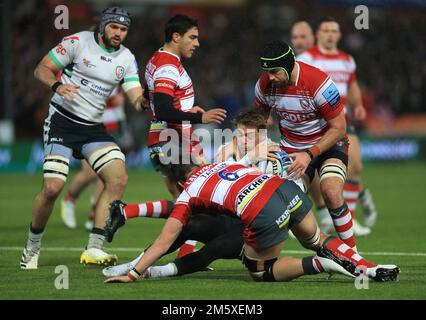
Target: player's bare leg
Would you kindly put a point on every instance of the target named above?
(353, 183)
(326, 223)
(79, 182)
(332, 177)
(333, 256)
(55, 168)
(93, 202)
(108, 161)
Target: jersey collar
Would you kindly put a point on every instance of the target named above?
(175, 55)
(298, 73)
(95, 36)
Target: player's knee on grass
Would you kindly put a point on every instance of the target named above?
(260, 270)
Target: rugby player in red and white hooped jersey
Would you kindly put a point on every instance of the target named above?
(341, 68)
(312, 125)
(268, 206)
(171, 95)
(303, 39)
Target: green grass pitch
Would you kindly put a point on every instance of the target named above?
(399, 237)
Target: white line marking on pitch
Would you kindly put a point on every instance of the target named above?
(408, 254)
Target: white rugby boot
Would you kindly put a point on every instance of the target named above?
(68, 213)
(29, 259)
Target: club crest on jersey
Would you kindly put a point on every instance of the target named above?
(304, 103)
(119, 72)
(229, 176)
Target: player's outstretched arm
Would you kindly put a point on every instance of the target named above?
(172, 228)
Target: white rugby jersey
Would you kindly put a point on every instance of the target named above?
(340, 67)
(95, 69)
(303, 108)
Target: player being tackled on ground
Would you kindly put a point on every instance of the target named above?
(94, 63)
(268, 206)
(221, 234)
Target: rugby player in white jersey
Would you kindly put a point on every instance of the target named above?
(94, 63)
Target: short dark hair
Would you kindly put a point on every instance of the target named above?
(179, 23)
(326, 19)
(252, 118)
(180, 172)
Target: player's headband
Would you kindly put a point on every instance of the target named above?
(284, 61)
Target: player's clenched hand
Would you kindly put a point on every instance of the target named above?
(301, 161)
(68, 91)
(216, 115)
(119, 279)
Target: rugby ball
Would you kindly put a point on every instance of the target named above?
(277, 167)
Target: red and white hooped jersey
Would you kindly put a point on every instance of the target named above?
(340, 67)
(164, 73)
(303, 108)
(227, 186)
(114, 113)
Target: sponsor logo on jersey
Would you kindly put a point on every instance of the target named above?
(294, 204)
(248, 193)
(331, 95)
(60, 49)
(56, 140)
(119, 72)
(283, 219)
(164, 85)
(296, 117)
(106, 59)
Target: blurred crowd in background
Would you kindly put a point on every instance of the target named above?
(390, 55)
